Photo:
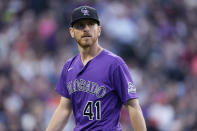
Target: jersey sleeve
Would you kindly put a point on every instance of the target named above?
(123, 82)
(61, 84)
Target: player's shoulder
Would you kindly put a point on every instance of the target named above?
(113, 58)
(70, 61)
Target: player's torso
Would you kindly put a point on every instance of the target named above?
(95, 102)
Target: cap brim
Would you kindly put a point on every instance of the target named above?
(72, 23)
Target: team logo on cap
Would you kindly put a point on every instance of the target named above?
(85, 11)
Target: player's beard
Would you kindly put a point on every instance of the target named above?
(85, 43)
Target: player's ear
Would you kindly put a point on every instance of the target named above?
(71, 30)
(99, 30)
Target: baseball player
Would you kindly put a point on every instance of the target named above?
(95, 83)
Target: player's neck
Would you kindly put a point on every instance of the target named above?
(89, 53)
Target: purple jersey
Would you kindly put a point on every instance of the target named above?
(97, 90)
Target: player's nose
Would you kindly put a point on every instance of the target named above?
(86, 27)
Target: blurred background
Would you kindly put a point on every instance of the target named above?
(156, 38)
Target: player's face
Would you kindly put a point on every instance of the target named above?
(85, 32)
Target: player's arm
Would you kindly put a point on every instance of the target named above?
(135, 114)
(61, 115)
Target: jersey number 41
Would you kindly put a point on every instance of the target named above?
(88, 110)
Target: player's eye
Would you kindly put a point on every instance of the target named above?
(79, 26)
(82, 25)
(91, 23)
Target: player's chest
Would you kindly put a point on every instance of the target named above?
(92, 81)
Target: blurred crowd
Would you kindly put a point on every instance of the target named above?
(156, 38)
